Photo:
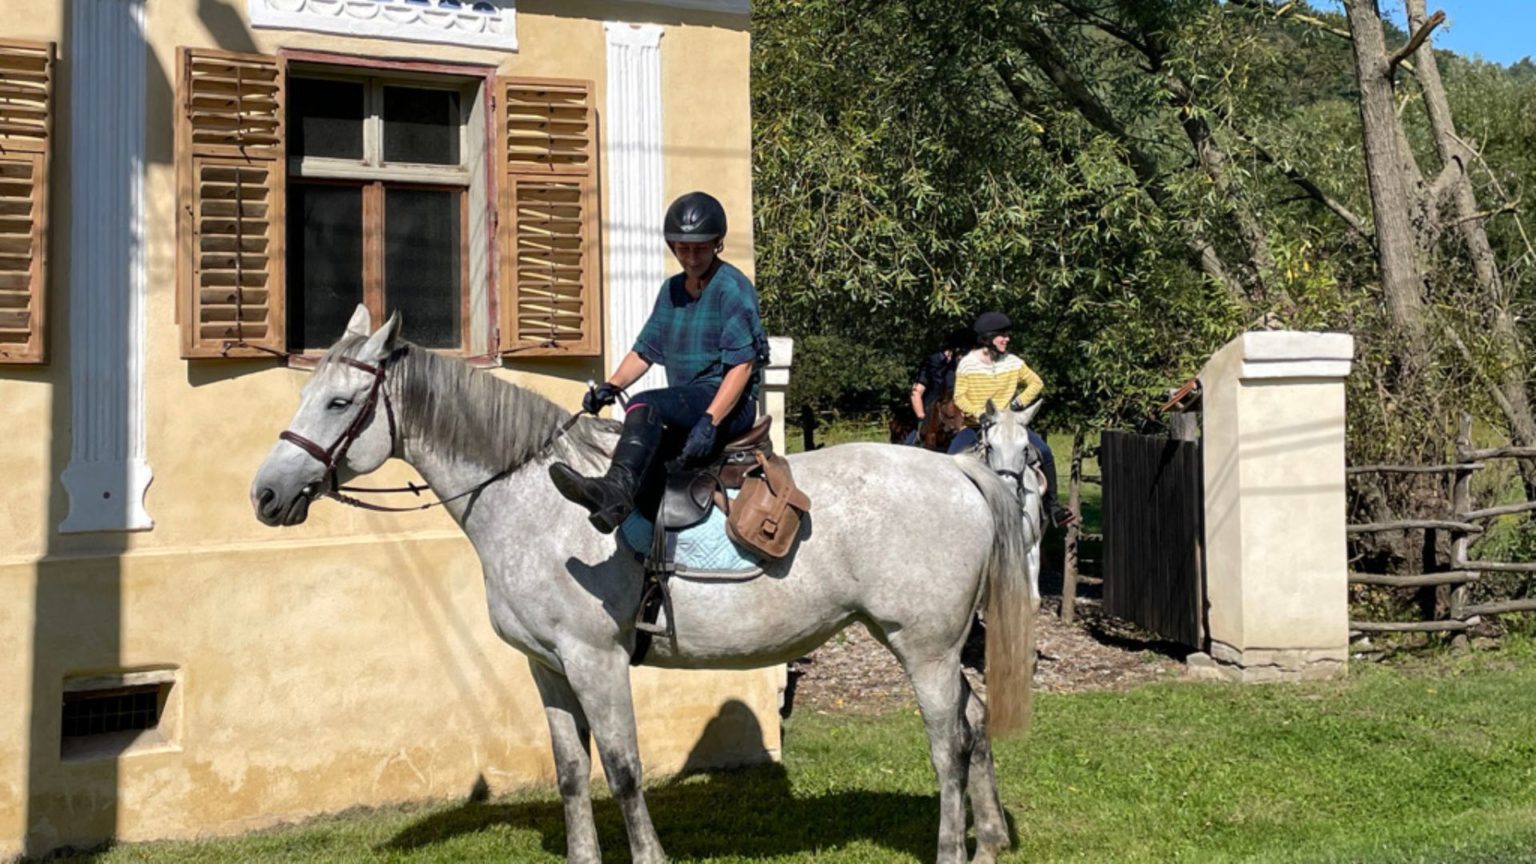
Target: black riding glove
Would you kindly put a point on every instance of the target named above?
(600, 397)
(701, 441)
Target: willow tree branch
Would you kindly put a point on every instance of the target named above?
(1107, 24)
(1312, 190)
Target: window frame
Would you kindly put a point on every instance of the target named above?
(475, 178)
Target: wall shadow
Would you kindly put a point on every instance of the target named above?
(77, 598)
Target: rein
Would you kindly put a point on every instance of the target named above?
(331, 457)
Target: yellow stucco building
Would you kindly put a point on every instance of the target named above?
(186, 187)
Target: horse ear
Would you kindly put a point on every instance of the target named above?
(382, 343)
(989, 414)
(361, 323)
(1031, 411)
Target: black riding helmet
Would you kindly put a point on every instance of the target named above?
(694, 218)
(960, 339)
(989, 324)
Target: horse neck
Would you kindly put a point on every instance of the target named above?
(457, 433)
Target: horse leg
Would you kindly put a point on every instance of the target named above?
(601, 681)
(939, 687)
(986, 805)
(570, 737)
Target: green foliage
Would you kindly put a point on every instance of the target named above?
(847, 376)
(917, 162)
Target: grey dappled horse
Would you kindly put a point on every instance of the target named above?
(907, 542)
(1003, 443)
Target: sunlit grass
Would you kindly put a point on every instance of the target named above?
(1432, 762)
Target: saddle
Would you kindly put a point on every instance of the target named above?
(682, 496)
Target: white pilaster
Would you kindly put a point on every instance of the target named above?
(781, 353)
(107, 475)
(637, 261)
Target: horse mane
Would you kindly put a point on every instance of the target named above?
(472, 415)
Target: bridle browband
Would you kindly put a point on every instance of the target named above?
(331, 457)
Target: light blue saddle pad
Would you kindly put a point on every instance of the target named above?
(704, 546)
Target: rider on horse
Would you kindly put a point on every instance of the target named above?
(707, 332)
(990, 374)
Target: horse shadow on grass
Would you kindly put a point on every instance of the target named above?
(717, 806)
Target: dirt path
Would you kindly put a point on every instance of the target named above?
(854, 674)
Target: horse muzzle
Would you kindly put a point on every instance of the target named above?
(272, 509)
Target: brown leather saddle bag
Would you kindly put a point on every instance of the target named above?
(765, 515)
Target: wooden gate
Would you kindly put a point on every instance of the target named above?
(1154, 534)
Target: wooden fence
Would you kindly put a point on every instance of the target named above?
(1464, 526)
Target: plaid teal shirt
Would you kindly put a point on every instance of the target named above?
(696, 341)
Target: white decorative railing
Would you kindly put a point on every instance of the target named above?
(476, 23)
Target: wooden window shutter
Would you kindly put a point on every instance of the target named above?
(231, 179)
(547, 222)
(26, 136)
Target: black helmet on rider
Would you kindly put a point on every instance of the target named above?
(989, 325)
(960, 339)
(694, 218)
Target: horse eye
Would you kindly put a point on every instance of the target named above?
(339, 404)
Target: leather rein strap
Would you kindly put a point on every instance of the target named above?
(331, 457)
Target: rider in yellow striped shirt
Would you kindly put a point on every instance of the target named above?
(990, 374)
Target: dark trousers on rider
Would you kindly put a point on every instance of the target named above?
(656, 424)
(681, 407)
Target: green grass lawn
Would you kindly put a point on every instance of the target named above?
(1432, 762)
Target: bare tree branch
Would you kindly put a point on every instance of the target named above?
(1414, 42)
(1507, 207)
(1287, 11)
(1499, 188)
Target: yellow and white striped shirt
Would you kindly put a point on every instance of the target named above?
(979, 378)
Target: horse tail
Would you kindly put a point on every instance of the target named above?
(1010, 619)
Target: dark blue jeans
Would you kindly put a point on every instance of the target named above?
(681, 407)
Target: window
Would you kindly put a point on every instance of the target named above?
(311, 183)
(379, 186)
(26, 87)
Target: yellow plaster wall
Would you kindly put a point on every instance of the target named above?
(313, 677)
(350, 660)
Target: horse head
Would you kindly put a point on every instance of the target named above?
(338, 431)
(1004, 437)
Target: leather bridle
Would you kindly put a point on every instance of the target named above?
(331, 457)
(984, 450)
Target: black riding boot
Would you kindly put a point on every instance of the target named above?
(611, 497)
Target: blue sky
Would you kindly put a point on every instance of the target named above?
(1500, 30)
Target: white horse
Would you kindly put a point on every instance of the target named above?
(906, 542)
(1003, 443)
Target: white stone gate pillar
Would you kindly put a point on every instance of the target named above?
(1273, 450)
(781, 352)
